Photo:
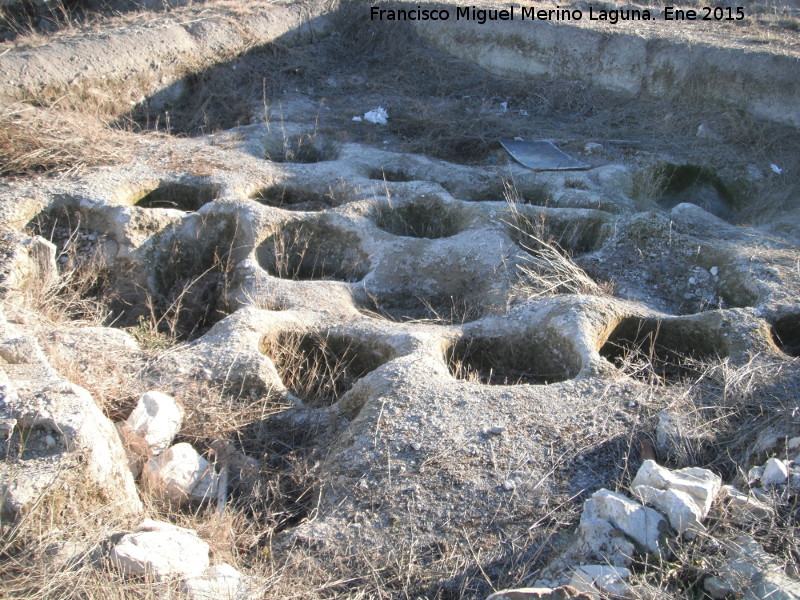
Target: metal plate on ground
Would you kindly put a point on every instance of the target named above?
(542, 155)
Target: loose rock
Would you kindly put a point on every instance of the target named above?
(181, 474)
(220, 582)
(157, 418)
(643, 525)
(775, 472)
(161, 550)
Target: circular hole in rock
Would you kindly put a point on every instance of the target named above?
(673, 184)
(292, 198)
(425, 217)
(537, 359)
(390, 175)
(86, 265)
(659, 351)
(190, 276)
(786, 334)
(313, 250)
(305, 148)
(180, 196)
(568, 236)
(319, 368)
(534, 193)
(442, 308)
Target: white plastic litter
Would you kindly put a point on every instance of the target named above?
(775, 168)
(379, 116)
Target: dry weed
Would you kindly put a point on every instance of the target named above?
(35, 140)
(547, 268)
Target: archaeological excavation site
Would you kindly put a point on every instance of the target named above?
(306, 300)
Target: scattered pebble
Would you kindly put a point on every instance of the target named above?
(775, 472)
(592, 147)
(755, 474)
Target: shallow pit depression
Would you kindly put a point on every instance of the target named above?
(424, 217)
(187, 197)
(663, 350)
(313, 250)
(536, 358)
(321, 367)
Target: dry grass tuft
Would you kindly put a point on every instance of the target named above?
(34, 140)
(548, 268)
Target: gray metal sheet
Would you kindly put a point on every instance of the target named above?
(542, 155)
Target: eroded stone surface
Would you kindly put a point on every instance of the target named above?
(160, 550)
(475, 394)
(59, 439)
(643, 525)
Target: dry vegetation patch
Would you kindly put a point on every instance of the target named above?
(35, 140)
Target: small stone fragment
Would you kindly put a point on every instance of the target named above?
(643, 525)
(746, 504)
(180, 474)
(701, 484)
(754, 474)
(717, 588)
(220, 582)
(591, 579)
(684, 515)
(775, 472)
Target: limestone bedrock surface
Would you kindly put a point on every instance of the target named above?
(429, 289)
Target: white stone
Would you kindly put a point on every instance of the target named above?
(701, 484)
(599, 540)
(793, 443)
(161, 552)
(775, 472)
(157, 418)
(683, 513)
(643, 525)
(591, 579)
(85, 453)
(180, 474)
(220, 582)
